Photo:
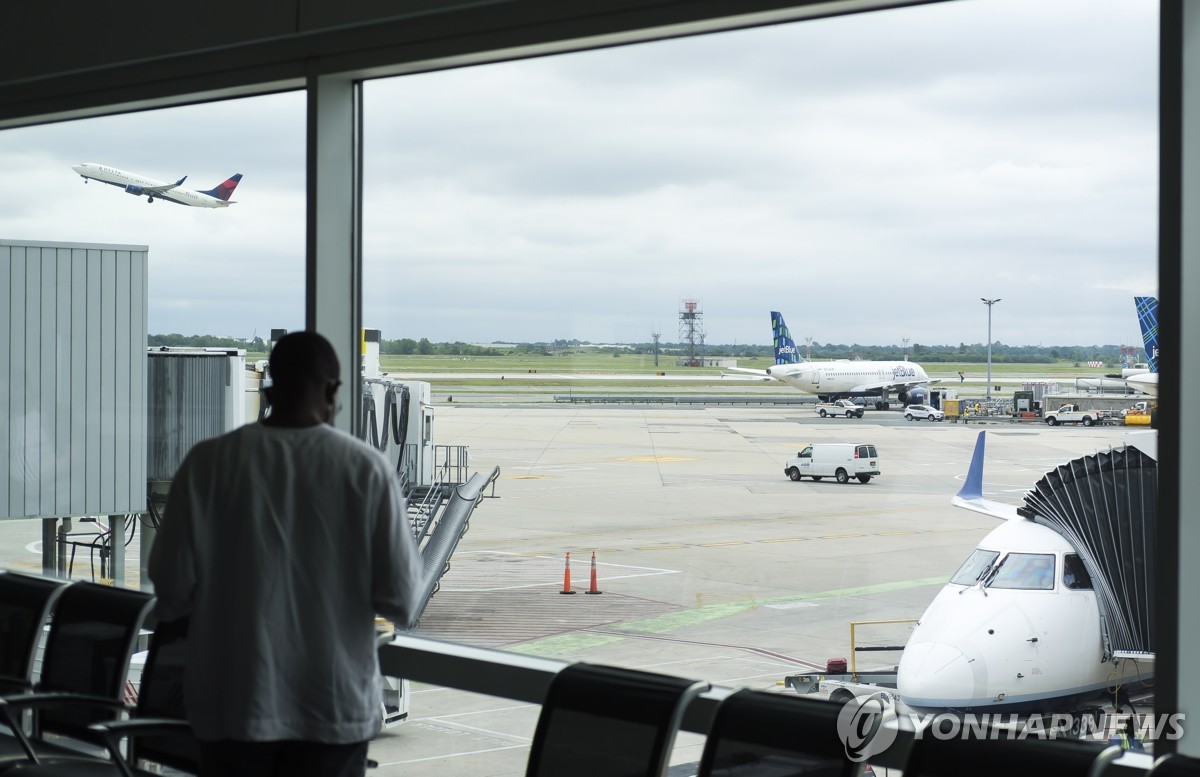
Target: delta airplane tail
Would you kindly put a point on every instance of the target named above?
(223, 191)
(1147, 313)
(786, 351)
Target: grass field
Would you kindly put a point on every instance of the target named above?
(534, 372)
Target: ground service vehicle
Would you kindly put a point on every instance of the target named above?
(923, 412)
(839, 460)
(1071, 414)
(840, 407)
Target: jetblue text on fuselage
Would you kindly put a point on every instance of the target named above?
(903, 372)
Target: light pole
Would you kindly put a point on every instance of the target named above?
(989, 303)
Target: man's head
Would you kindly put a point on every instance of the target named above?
(305, 376)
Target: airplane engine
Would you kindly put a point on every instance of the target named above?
(917, 395)
(134, 190)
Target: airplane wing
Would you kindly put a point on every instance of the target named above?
(970, 496)
(762, 374)
(165, 188)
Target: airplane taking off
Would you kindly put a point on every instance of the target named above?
(843, 378)
(138, 186)
(1052, 610)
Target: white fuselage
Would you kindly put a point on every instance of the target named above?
(1011, 649)
(112, 175)
(845, 377)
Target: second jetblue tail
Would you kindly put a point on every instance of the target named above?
(1147, 313)
(222, 191)
(786, 351)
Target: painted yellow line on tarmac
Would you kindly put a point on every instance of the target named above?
(839, 536)
(896, 533)
(789, 539)
(721, 544)
(523, 477)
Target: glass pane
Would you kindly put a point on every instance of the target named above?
(1033, 571)
(976, 564)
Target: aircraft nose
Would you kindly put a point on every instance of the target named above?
(937, 675)
(79, 168)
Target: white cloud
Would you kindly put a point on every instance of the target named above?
(869, 176)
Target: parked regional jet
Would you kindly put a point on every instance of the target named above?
(137, 185)
(1051, 612)
(843, 378)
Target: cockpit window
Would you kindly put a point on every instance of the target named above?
(1075, 576)
(976, 564)
(1028, 571)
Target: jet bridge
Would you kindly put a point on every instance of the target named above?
(1106, 506)
(397, 420)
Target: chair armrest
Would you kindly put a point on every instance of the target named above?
(12, 706)
(43, 699)
(136, 727)
(115, 730)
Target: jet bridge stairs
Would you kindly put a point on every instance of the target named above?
(439, 515)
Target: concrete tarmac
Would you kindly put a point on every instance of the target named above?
(713, 565)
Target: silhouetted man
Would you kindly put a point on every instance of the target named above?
(281, 542)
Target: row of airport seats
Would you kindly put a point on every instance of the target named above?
(600, 721)
(68, 714)
(70, 717)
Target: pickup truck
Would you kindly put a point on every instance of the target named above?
(1071, 414)
(839, 407)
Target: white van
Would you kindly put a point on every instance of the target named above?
(841, 460)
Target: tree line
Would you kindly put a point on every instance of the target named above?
(963, 352)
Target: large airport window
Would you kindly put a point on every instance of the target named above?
(578, 253)
(143, 234)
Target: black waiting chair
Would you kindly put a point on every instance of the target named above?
(932, 756)
(757, 734)
(602, 721)
(91, 638)
(158, 732)
(1175, 765)
(25, 605)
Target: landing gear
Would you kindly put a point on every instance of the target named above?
(881, 405)
(149, 199)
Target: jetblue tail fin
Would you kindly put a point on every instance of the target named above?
(786, 351)
(1147, 313)
(222, 191)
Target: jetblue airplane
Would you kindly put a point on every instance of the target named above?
(843, 378)
(139, 186)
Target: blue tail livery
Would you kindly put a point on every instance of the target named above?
(786, 351)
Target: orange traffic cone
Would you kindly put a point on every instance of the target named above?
(593, 589)
(566, 589)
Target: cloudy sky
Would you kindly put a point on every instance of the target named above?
(872, 177)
